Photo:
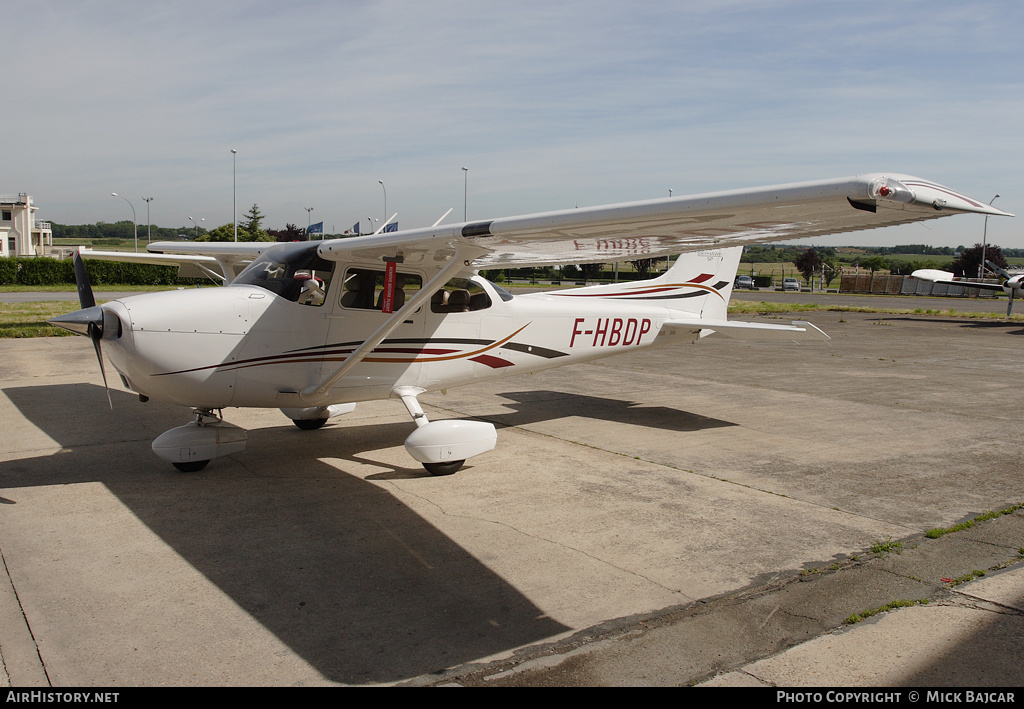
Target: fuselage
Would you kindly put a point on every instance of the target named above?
(289, 321)
(243, 346)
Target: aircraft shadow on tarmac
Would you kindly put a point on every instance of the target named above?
(355, 583)
(535, 406)
(1009, 327)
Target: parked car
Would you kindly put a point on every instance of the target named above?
(790, 284)
(745, 282)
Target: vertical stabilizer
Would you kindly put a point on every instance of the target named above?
(701, 281)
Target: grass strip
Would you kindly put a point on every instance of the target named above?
(940, 531)
(29, 319)
(765, 308)
(858, 617)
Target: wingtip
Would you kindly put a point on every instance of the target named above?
(894, 187)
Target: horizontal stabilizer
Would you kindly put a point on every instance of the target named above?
(217, 260)
(145, 257)
(799, 331)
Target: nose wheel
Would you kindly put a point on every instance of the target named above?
(444, 468)
(193, 466)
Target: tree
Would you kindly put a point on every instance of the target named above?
(248, 230)
(831, 270)
(225, 232)
(643, 267)
(966, 264)
(808, 263)
(252, 225)
(874, 263)
(290, 233)
(591, 270)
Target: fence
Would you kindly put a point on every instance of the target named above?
(907, 285)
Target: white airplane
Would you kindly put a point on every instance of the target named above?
(1013, 286)
(312, 328)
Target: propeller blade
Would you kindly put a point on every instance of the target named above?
(85, 296)
(1009, 304)
(96, 335)
(90, 320)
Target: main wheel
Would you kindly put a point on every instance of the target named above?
(443, 468)
(192, 466)
(309, 424)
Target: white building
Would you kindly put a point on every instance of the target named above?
(20, 233)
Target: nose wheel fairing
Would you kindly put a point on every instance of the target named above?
(190, 447)
(443, 446)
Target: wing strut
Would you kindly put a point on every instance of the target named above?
(385, 224)
(463, 258)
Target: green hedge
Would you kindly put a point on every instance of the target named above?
(41, 271)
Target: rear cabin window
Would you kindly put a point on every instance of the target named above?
(364, 289)
(459, 295)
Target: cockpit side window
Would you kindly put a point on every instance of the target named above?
(364, 289)
(301, 277)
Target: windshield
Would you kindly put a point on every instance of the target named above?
(295, 272)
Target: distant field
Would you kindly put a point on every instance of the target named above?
(104, 244)
(783, 270)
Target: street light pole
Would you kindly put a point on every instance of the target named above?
(309, 220)
(465, 192)
(149, 223)
(385, 200)
(196, 225)
(234, 192)
(135, 221)
(984, 236)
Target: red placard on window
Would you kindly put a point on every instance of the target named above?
(388, 301)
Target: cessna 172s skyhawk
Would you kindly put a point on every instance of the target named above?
(313, 328)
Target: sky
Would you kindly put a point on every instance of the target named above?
(356, 108)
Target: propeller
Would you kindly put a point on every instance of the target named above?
(997, 269)
(91, 320)
(1010, 285)
(85, 296)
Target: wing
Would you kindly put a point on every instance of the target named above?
(674, 225)
(193, 259)
(945, 277)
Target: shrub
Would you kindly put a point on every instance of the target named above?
(42, 271)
